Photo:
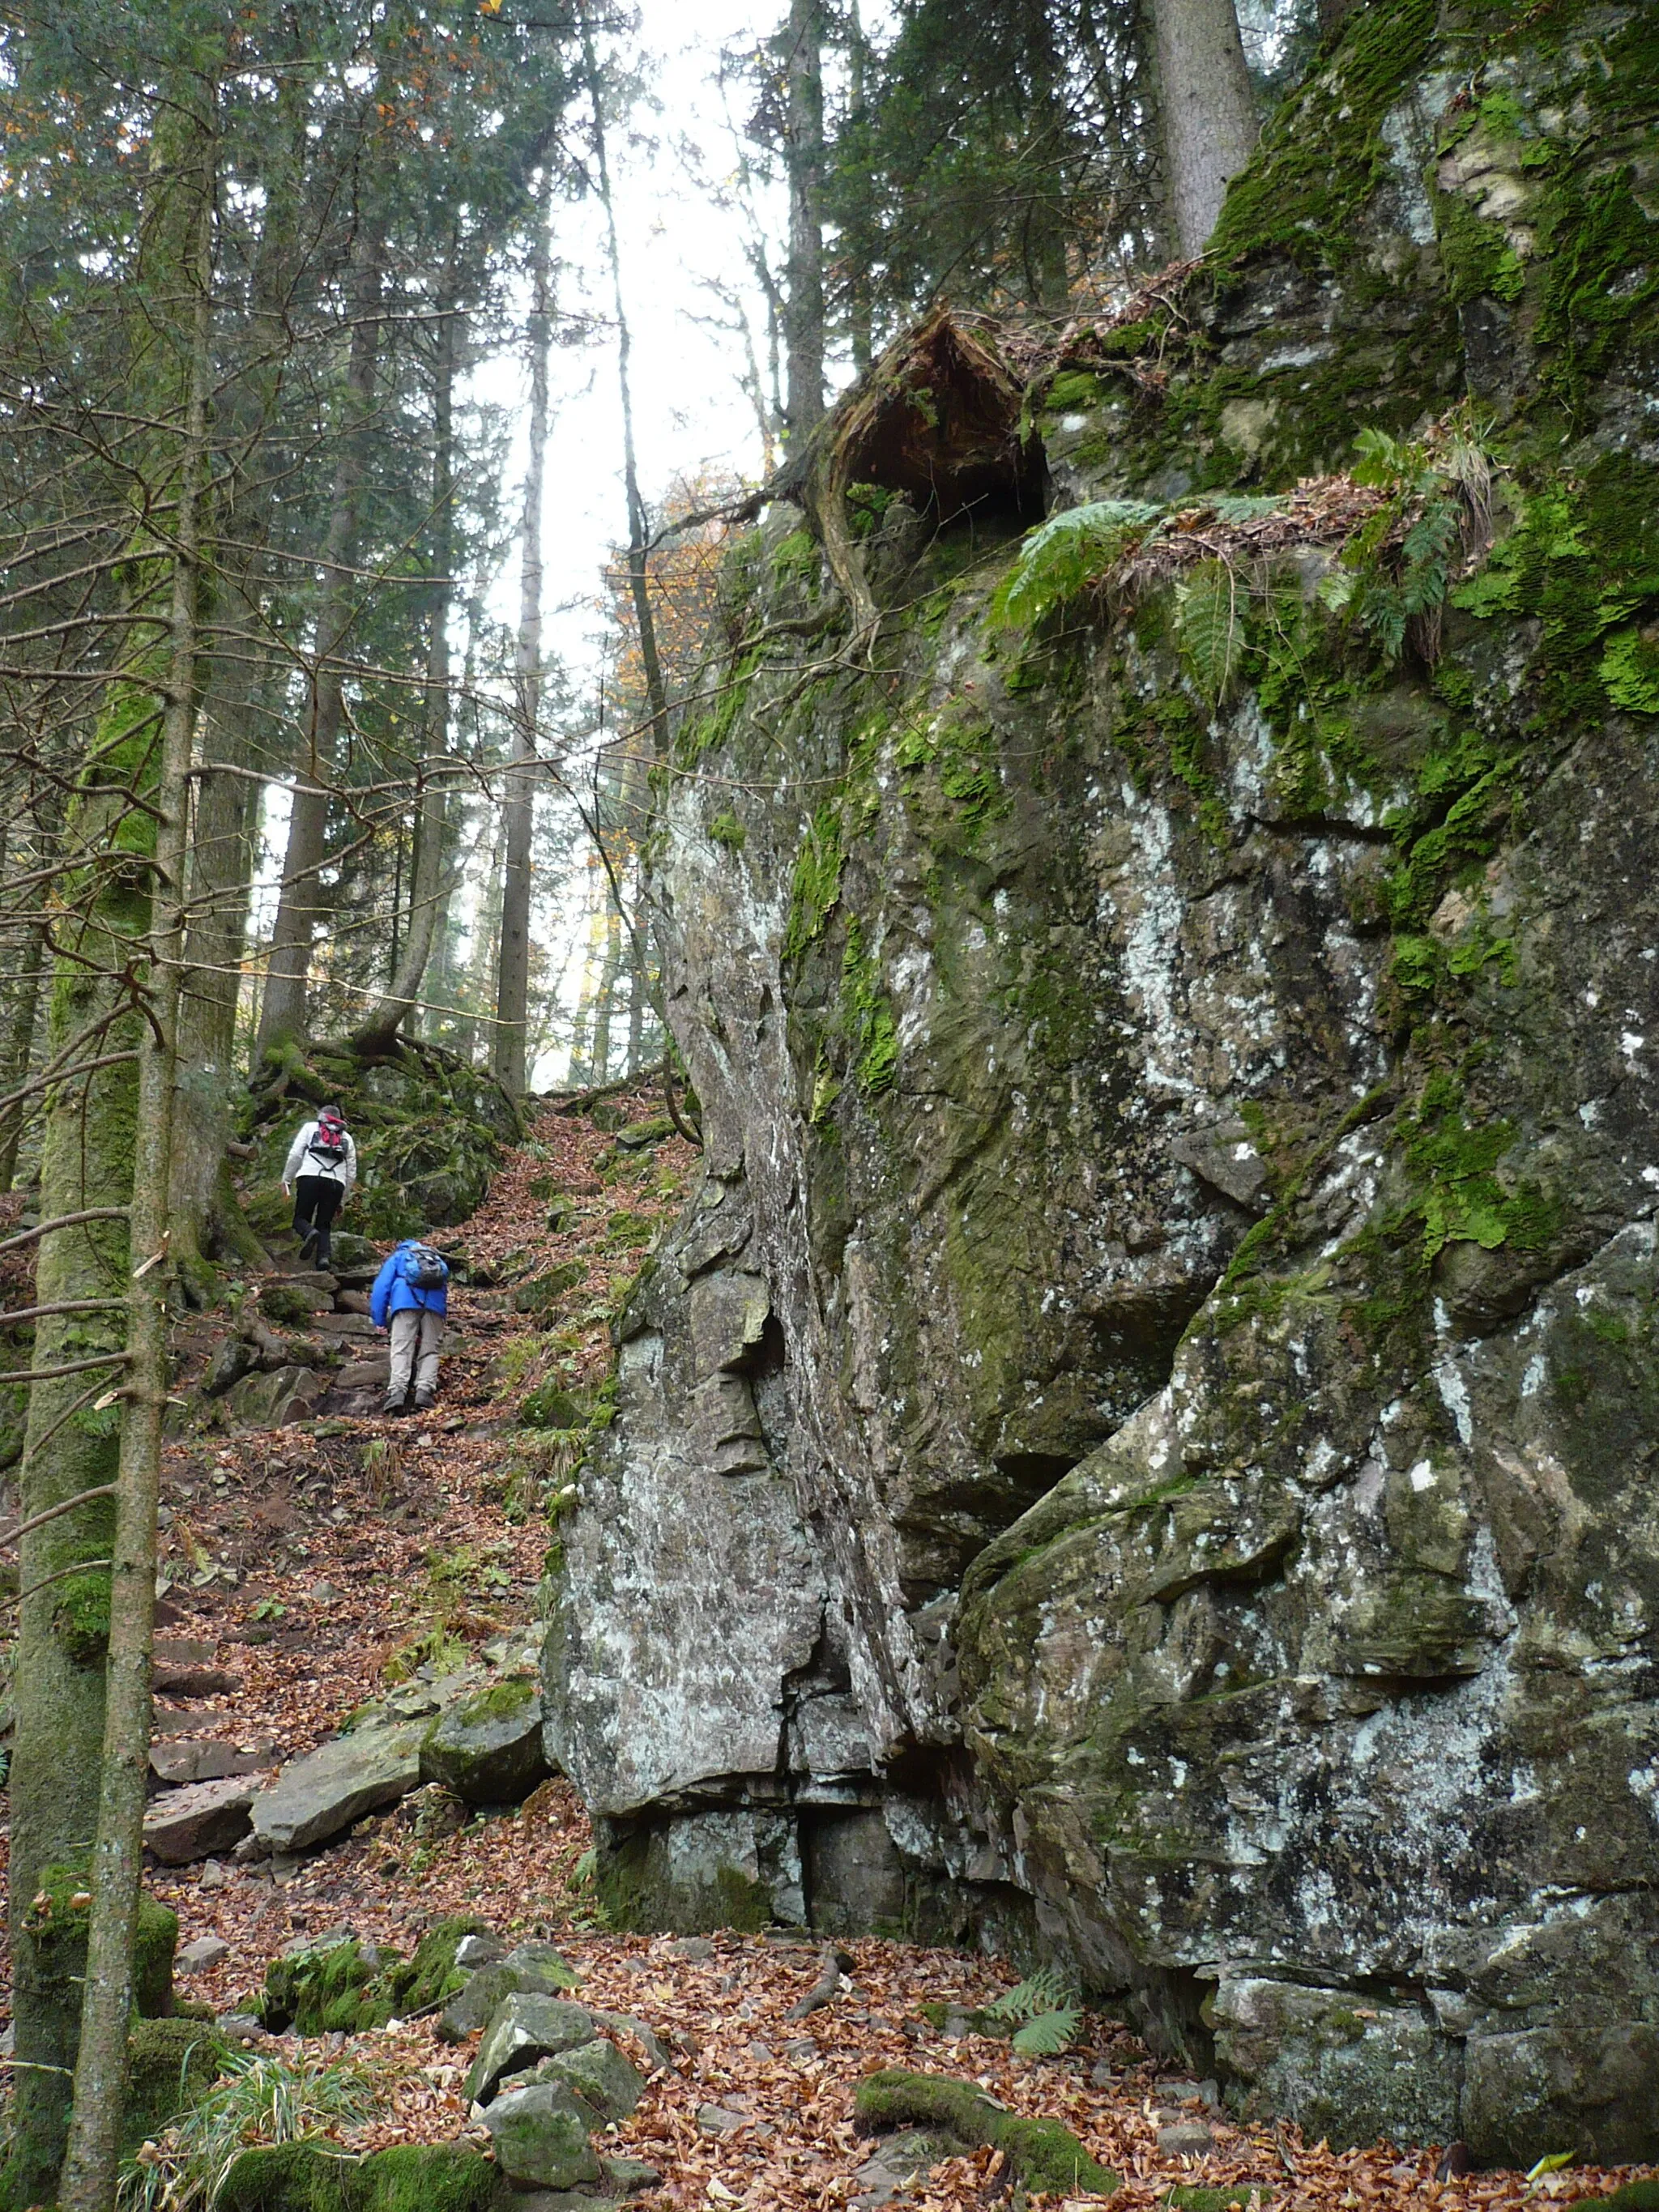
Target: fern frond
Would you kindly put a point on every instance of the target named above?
(1212, 638)
(1063, 554)
(1049, 2032)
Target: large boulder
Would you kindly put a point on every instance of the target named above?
(1141, 1446)
(429, 1128)
(487, 1748)
(316, 1796)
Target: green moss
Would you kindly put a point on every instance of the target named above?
(1323, 155)
(428, 2178)
(318, 1992)
(169, 2063)
(815, 887)
(55, 1929)
(726, 829)
(1197, 2197)
(80, 1616)
(1629, 2196)
(313, 2177)
(293, 2176)
(431, 1976)
(867, 1017)
(703, 733)
(1041, 2156)
(1477, 254)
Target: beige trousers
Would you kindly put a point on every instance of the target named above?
(416, 1338)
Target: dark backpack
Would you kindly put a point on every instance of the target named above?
(423, 1269)
(329, 1144)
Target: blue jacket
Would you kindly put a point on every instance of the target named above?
(394, 1293)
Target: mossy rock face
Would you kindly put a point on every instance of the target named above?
(1181, 1070)
(340, 1990)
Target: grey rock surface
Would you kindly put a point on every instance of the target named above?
(529, 1970)
(540, 2138)
(598, 2072)
(487, 1748)
(317, 1796)
(1140, 1447)
(522, 2030)
(199, 1819)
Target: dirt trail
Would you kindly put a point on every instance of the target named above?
(308, 1563)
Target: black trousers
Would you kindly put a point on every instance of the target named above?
(316, 1202)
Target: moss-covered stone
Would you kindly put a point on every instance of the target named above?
(311, 2177)
(1041, 2156)
(169, 2063)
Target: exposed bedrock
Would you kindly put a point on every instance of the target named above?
(1141, 1449)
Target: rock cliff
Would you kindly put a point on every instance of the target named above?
(1142, 1448)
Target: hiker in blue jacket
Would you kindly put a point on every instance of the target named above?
(411, 1295)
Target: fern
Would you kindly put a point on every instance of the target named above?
(1049, 2034)
(1042, 1992)
(1066, 553)
(1212, 637)
(1234, 507)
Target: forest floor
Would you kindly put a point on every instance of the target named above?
(313, 1557)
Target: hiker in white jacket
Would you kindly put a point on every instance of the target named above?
(322, 1166)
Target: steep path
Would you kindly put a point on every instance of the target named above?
(309, 1562)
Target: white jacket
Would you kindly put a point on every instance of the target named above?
(301, 1161)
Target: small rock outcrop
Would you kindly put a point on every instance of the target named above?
(1141, 1446)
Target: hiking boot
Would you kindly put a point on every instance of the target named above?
(393, 1409)
(424, 1405)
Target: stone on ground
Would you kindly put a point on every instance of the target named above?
(487, 1749)
(200, 1819)
(524, 2029)
(598, 2072)
(198, 1957)
(319, 1795)
(541, 2138)
(532, 1970)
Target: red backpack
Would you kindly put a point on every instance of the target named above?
(330, 1143)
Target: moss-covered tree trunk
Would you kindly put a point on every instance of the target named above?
(90, 2170)
(71, 1446)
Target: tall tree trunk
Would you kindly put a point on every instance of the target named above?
(803, 160)
(605, 998)
(300, 905)
(861, 309)
(638, 523)
(377, 1032)
(1210, 124)
(70, 1449)
(221, 859)
(90, 2170)
(508, 1056)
